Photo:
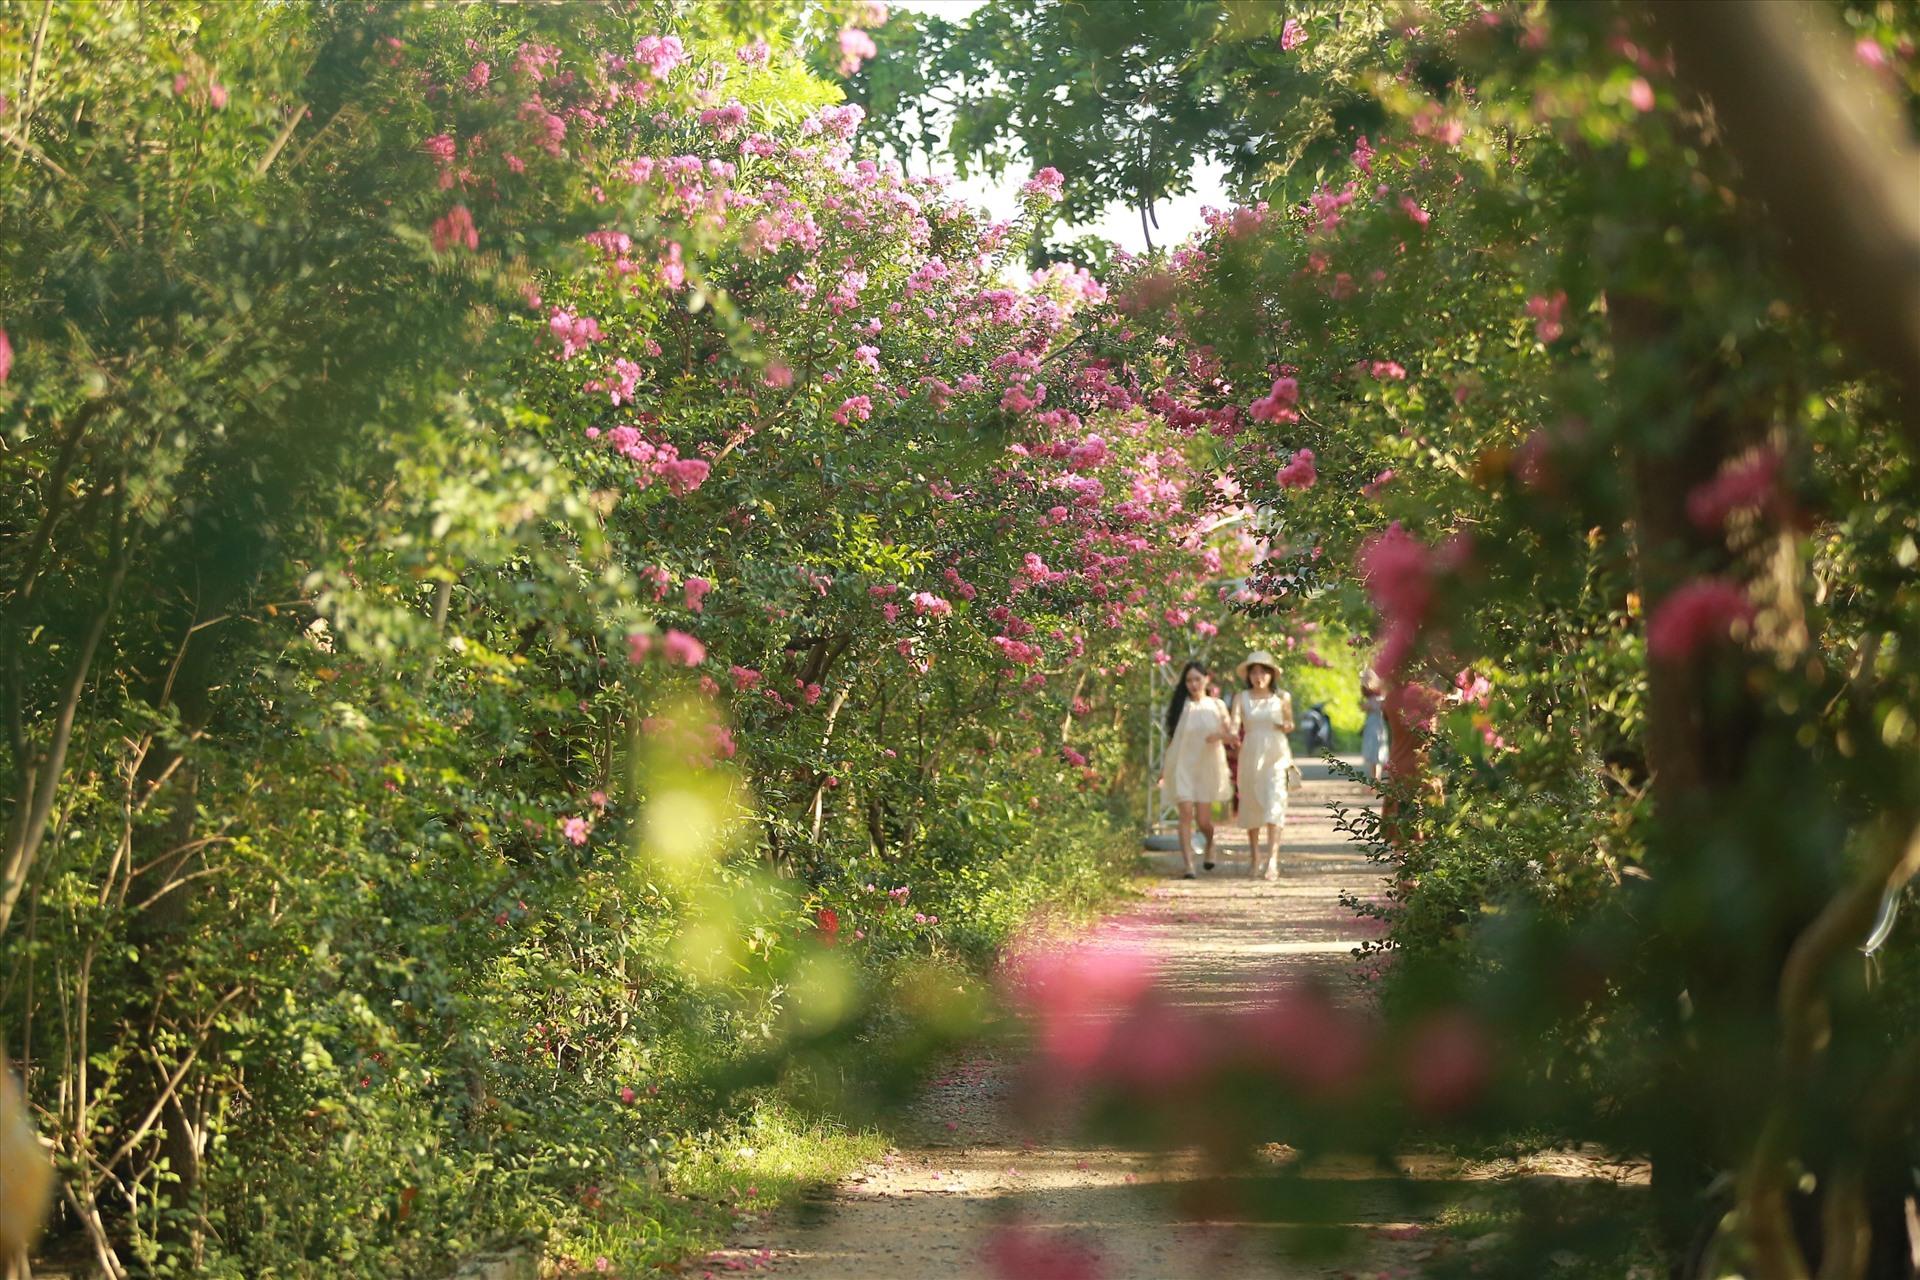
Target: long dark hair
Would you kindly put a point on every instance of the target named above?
(1179, 701)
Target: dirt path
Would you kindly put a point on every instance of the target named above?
(968, 1165)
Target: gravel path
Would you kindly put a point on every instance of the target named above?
(968, 1163)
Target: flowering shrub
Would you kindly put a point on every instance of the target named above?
(711, 529)
(1528, 394)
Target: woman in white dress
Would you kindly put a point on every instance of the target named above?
(1193, 774)
(1373, 732)
(1263, 717)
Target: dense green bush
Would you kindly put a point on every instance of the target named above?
(1558, 380)
(479, 613)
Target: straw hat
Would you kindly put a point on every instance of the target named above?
(1261, 658)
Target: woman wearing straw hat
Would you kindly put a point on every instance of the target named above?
(1263, 717)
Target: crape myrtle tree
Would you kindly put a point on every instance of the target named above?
(1540, 391)
(513, 526)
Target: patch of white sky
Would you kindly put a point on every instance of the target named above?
(1176, 217)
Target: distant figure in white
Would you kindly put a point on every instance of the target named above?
(1373, 733)
(1262, 718)
(1193, 774)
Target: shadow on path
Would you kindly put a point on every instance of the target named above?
(969, 1163)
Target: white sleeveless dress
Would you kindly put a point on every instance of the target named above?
(1265, 754)
(1196, 770)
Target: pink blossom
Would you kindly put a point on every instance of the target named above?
(1742, 484)
(1034, 1253)
(1411, 207)
(682, 648)
(1398, 572)
(1696, 614)
(860, 407)
(1314, 1045)
(1546, 313)
(1870, 53)
(1073, 757)
(575, 333)
(1299, 472)
(477, 76)
(575, 830)
(627, 1094)
(1472, 687)
(684, 475)
(856, 46)
(217, 94)
(1447, 1063)
(1640, 94)
(1278, 404)
(1292, 34)
(639, 645)
(744, 677)
(455, 227)
(660, 54)
(1074, 996)
(1047, 185)
(925, 602)
(6, 357)
(1372, 488)
(1388, 370)
(696, 593)
(757, 54)
(1415, 703)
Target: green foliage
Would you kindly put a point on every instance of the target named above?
(1531, 328)
(369, 895)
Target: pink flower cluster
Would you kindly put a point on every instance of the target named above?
(856, 46)
(1278, 404)
(1742, 484)
(455, 228)
(1299, 472)
(1047, 186)
(1698, 613)
(1398, 573)
(1547, 313)
(659, 54)
(574, 333)
(676, 647)
(1100, 1021)
(655, 460)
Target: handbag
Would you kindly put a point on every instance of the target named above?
(1293, 777)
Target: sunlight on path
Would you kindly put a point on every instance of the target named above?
(970, 1163)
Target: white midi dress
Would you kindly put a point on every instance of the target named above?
(1265, 754)
(1373, 733)
(1196, 770)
